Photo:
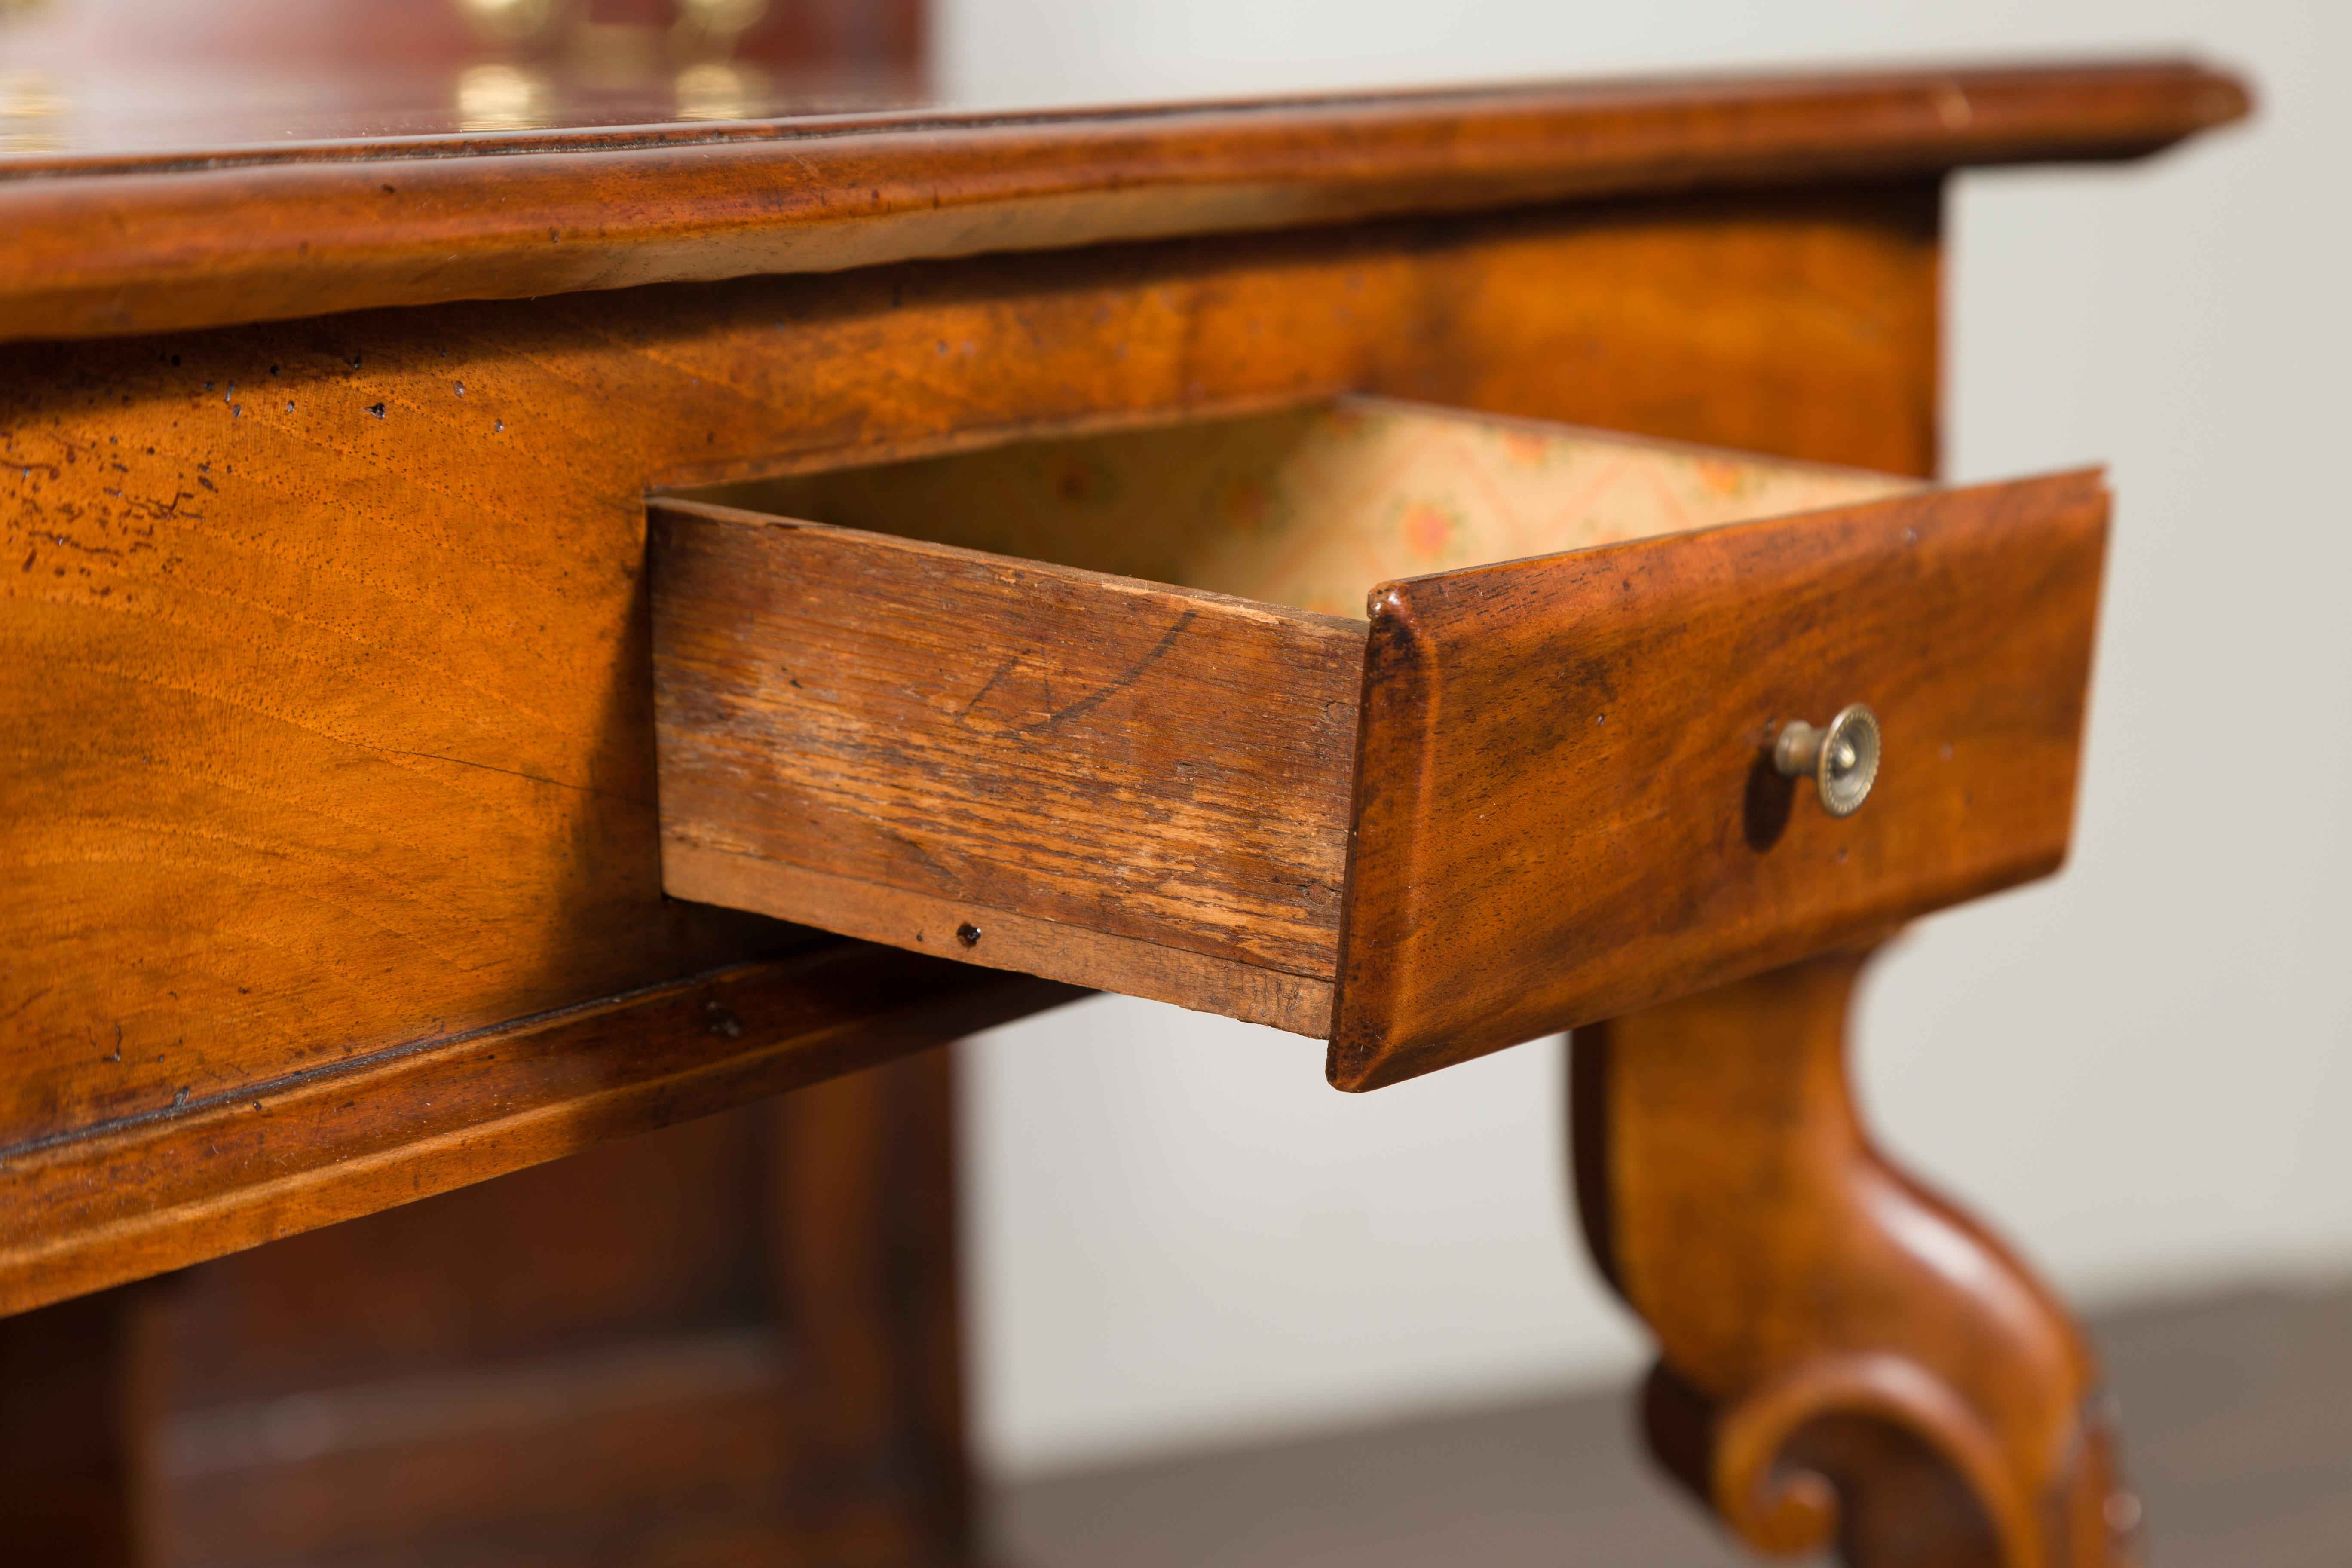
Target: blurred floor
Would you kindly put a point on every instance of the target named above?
(2238, 1413)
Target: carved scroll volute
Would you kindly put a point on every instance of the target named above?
(1843, 1355)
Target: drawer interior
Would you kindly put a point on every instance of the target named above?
(1308, 507)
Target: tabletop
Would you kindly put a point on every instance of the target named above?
(168, 199)
(167, 196)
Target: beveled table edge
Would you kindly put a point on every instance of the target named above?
(115, 246)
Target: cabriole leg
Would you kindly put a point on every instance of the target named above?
(1842, 1355)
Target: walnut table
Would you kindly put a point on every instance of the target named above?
(515, 639)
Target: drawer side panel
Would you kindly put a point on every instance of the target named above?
(1094, 779)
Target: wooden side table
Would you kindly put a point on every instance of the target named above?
(339, 828)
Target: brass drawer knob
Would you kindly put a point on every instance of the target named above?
(1842, 759)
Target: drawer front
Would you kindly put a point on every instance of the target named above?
(1566, 807)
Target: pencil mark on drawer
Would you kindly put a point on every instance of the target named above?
(1119, 683)
(1053, 716)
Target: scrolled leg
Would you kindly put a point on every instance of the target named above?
(1843, 1356)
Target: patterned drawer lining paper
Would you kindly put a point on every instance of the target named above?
(1311, 507)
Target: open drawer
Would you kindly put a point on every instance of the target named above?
(1103, 708)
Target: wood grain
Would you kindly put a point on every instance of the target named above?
(867, 734)
(355, 761)
(1565, 810)
(1002, 938)
(1845, 1357)
(333, 733)
(731, 1341)
(1028, 763)
(276, 1158)
(1099, 756)
(124, 245)
(335, 877)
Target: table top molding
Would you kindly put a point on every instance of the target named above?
(110, 244)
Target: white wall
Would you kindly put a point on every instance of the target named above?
(2142, 1071)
